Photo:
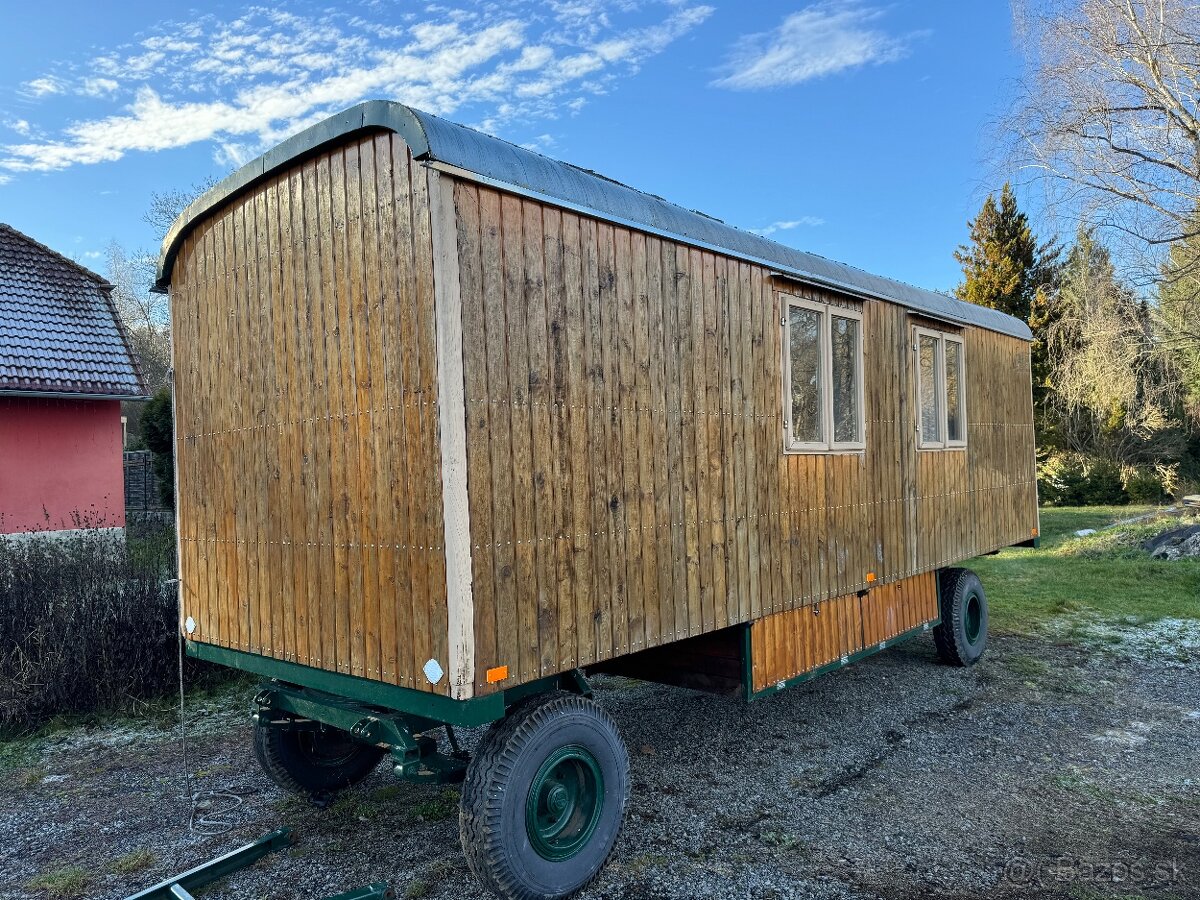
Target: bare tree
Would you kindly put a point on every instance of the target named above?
(1115, 386)
(146, 316)
(1108, 110)
(166, 206)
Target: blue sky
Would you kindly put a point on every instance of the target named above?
(857, 130)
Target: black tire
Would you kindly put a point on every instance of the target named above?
(314, 761)
(576, 739)
(962, 636)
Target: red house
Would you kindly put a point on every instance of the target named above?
(65, 367)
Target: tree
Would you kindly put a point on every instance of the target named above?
(1178, 320)
(1114, 387)
(146, 315)
(1006, 268)
(1108, 113)
(158, 431)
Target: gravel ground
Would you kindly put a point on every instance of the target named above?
(1046, 771)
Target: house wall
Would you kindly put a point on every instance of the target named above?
(626, 470)
(310, 509)
(60, 464)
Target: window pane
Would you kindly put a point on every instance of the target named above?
(845, 380)
(805, 350)
(954, 423)
(928, 385)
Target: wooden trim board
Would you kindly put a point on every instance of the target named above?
(452, 433)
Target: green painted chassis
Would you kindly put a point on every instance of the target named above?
(399, 718)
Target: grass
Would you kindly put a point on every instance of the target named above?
(133, 862)
(21, 758)
(61, 884)
(1103, 574)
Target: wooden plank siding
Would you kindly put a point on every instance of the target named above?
(624, 401)
(787, 644)
(306, 378)
(615, 409)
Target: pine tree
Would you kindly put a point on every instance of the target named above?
(1178, 322)
(1006, 268)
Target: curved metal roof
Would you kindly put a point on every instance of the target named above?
(471, 154)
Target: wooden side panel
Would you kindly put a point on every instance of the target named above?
(788, 644)
(626, 472)
(306, 381)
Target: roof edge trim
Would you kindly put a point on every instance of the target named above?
(373, 114)
(441, 145)
(70, 395)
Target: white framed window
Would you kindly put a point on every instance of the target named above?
(940, 369)
(823, 377)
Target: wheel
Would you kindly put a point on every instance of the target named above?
(313, 761)
(544, 798)
(962, 635)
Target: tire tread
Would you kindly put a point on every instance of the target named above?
(480, 811)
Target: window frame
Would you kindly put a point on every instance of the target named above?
(825, 352)
(940, 338)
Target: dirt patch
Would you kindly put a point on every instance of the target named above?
(1047, 771)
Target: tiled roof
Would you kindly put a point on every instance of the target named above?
(59, 332)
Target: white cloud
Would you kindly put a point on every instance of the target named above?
(819, 40)
(20, 126)
(5, 179)
(543, 143)
(98, 87)
(47, 84)
(788, 225)
(247, 83)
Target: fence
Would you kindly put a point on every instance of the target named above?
(141, 484)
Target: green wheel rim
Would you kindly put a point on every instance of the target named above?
(564, 803)
(973, 618)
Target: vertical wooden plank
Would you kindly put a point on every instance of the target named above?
(434, 612)
(579, 452)
(713, 328)
(627, 515)
(522, 429)
(643, 497)
(478, 430)
(387, 393)
(274, 421)
(540, 401)
(659, 424)
(558, 541)
(692, 433)
(676, 427)
(364, 600)
(509, 640)
(599, 406)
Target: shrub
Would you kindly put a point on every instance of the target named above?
(1073, 479)
(87, 622)
(1144, 485)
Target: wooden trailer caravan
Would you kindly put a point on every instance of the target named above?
(457, 424)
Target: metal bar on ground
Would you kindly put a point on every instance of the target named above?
(178, 886)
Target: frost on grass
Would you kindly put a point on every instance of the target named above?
(1174, 642)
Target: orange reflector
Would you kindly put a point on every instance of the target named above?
(870, 577)
(1033, 531)
(499, 673)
